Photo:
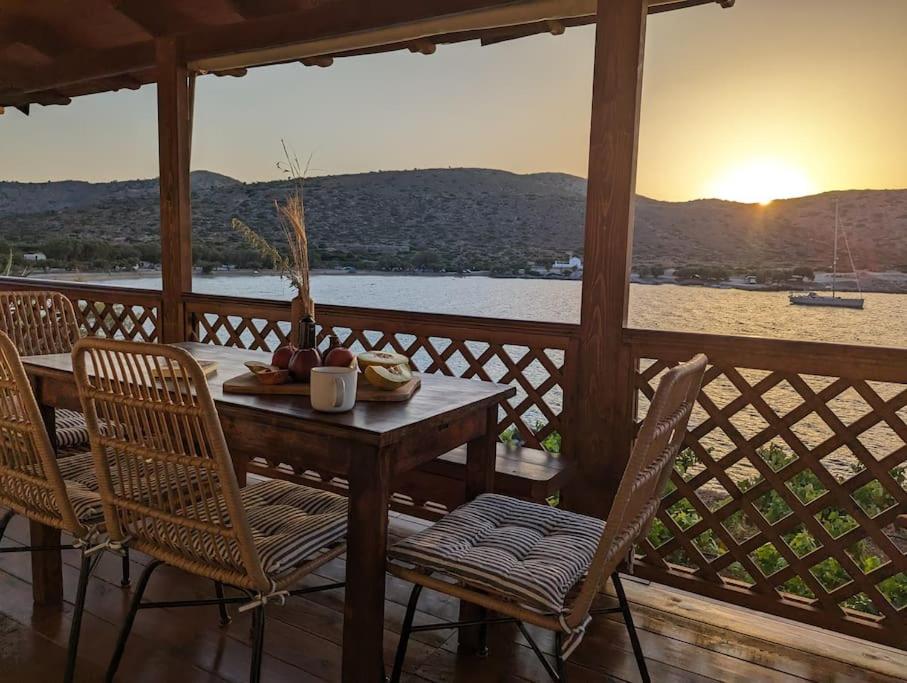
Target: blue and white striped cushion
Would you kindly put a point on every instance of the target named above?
(533, 554)
(82, 487)
(72, 432)
(291, 523)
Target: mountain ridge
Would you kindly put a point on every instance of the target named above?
(454, 218)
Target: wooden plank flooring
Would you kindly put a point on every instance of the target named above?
(700, 640)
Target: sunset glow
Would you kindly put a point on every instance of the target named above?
(759, 181)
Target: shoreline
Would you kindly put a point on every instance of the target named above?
(889, 282)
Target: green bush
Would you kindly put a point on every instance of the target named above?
(872, 499)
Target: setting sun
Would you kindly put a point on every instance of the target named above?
(761, 181)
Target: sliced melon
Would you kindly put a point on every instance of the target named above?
(388, 378)
(384, 359)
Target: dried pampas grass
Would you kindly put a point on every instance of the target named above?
(291, 218)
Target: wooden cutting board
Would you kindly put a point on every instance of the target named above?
(247, 384)
(209, 367)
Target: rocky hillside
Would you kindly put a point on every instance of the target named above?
(445, 218)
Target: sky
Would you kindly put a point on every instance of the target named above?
(768, 99)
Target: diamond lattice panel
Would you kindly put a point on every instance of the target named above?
(787, 490)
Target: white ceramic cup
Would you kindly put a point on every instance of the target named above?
(333, 390)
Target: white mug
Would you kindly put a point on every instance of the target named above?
(333, 390)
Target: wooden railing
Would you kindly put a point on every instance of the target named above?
(117, 312)
(534, 357)
(794, 471)
(795, 466)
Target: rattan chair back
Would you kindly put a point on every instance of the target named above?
(645, 477)
(166, 478)
(39, 322)
(30, 481)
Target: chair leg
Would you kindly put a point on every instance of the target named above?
(224, 615)
(126, 580)
(130, 619)
(631, 628)
(4, 522)
(559, 665)
(87, 565)
(553, 672)
(258, 641)
(405, 633)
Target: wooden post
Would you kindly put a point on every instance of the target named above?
(174, 117)
(602, 402)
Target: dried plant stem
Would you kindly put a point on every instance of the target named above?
(291, 217)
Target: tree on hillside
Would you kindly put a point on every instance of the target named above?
(805, 272)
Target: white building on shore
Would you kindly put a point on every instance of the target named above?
(573, 265)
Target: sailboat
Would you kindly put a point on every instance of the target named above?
(816, 299)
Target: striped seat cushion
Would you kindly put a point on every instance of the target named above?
(72, 432)
(82, 487)
(291, 523)
(81, 480)
(530, 553)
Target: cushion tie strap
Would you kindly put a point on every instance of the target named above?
(574, 635)
(260, 600)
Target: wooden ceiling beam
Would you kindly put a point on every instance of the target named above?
(324, 18)
(322, 62)
(155, 18)
(80, 66)
(36, 35)
(255, 9)
(670, 5)
(319, 20)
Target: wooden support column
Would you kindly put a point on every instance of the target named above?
(174, 117)
(601, 428)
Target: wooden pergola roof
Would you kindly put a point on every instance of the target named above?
(54, 50)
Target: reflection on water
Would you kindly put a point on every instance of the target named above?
(663, 307)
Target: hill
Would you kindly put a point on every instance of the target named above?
(445, 218)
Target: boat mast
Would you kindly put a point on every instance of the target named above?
(834, 274)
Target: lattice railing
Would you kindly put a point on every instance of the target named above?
(117, 312)
(530, 356)
(794, 471)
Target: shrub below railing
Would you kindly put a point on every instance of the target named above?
(794, 469)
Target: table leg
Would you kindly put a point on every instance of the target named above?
(481, 455)
(49, 416)
(363, 614)
(46, 565)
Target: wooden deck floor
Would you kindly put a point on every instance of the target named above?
(706, 641)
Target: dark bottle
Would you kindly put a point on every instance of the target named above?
(308, 335)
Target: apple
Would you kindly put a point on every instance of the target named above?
(282, 356)
(339, 357)
(302, 362)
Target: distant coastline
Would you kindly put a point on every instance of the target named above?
(889, 282)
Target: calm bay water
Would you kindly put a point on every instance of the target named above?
(667, 307)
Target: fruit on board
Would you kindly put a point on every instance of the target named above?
(388, 378)
(339, 357)
(302, 362)
(283, 356)
(383, 359)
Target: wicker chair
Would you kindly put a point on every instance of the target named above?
(538, 564)
(41, 323)
(60, 493)
(170, 491)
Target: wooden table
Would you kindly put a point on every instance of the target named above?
(369, 446)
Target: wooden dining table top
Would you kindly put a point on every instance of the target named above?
(440, 398)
